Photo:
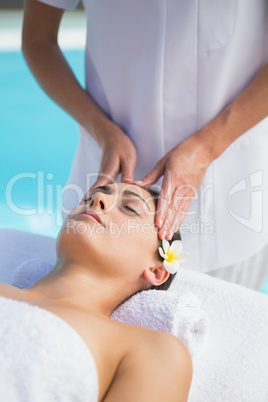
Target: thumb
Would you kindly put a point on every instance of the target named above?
(102, 180)
(153, 176)
(127, 170)
(107, 175)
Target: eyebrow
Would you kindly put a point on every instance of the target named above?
(131, 193)
(107, 189)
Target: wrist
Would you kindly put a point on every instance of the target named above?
(204, 144)
(215, 134)
(102, 129)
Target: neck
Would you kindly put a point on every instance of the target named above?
(71, 284)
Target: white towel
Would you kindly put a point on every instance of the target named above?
(154, 309)
(43, 359)
(233, 363)
(17, 246)
(160, 310)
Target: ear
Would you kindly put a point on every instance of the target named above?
(156, 275)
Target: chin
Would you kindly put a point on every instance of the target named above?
(73, 236)
(79, 237)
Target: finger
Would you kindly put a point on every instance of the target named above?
(108, 173)
(162, 206)
(171, 217)
(164, 199)
(127, 170)
(178, 195)
(154, 175)
(163, 231)
(177, 220)
(102, 180)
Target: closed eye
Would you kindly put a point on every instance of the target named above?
(124, 206)
(130, 209)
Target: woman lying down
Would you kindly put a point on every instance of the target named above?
(107, 250)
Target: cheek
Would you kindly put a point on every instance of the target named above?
(133, 241)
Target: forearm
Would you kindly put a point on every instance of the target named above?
(53, 73)
(245, 112)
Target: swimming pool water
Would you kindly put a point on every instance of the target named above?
(38, 141)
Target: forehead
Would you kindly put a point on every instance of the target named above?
(123, 187)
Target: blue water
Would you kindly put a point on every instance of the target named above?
(38, 141)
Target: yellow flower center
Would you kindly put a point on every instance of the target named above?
(171, 256)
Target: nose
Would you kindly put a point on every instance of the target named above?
(99, 201)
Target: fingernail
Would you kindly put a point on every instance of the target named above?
(138, 182)
(160, 223)
(164, 234)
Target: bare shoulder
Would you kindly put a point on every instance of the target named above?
(164, 347)
(156, 367)
(157, 340)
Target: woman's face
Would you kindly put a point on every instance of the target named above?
(113, 228)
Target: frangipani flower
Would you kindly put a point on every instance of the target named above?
(173, 255)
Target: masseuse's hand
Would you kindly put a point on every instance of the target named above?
(183, 168)
(118, 156)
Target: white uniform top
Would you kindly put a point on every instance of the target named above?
(161, 70)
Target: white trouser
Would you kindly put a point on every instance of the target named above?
(251, 272)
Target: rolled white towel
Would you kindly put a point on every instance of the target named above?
(160, 310)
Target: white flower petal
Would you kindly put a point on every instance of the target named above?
(183, 256)
(165, 245)
(171, 267)
(176, 246)
(161, 252)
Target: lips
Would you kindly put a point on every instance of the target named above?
(94, 215)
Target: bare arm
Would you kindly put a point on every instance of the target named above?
(245, 112)
(157, 371)
(51, 70)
